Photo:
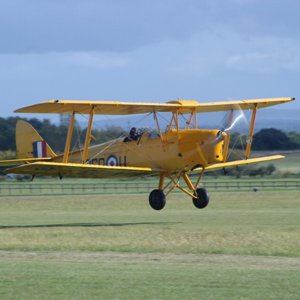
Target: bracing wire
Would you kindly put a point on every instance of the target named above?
(115, 140)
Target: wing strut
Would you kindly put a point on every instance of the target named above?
(69, 138)
(227, 139)
(162, 138)
(88, 135)
(251, 131)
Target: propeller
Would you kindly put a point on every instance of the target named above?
(230, 121)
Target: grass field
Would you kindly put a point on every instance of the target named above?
(290, 164)
(242, 246)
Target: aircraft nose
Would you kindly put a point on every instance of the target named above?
(221, 135)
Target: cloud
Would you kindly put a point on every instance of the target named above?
(25, 65)
(101, 61)
(84, 26)
(200, 55)
(266, 55)
(211, 64)
(226, 51)
(123, 26)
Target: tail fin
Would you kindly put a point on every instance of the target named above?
(29, 143)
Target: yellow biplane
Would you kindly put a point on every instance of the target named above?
(172, 154)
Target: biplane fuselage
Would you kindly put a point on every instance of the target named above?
(175, 151)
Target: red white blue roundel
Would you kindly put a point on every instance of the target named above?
(112, 161)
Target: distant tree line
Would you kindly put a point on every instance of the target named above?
(55, 135)
(248, 171)
(268, 140)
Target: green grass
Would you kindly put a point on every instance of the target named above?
(290, 164)
(242, 246)
(112, 277)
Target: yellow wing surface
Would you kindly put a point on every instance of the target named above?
(79, 170)
(127, 108)
(241, 162)
(96, 171)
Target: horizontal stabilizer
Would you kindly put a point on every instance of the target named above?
(78, 170)
(20, 161)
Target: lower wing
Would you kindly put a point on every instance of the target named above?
(96, 171)
(240, 163)
(79, 170)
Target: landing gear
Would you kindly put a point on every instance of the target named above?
(202, 198)
(157, 199)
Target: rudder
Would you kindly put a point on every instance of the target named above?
(29, 143)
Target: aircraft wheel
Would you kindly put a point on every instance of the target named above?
(202, 198)
(157, 199)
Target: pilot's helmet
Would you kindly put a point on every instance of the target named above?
(133, 130)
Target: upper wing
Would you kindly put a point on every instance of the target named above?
(78, 170)
(241, 104)
(127, 108)
(240, 163)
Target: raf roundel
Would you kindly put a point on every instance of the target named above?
(112, 161)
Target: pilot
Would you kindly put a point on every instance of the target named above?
(133, 135)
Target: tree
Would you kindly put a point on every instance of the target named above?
(273, 139)
(55, 135)
(294, 137)
(7, 133)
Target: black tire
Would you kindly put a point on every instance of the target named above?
(157, 199)
(202, 198)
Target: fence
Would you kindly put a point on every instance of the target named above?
(136, 187)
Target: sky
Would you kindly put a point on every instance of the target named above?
(152, 51)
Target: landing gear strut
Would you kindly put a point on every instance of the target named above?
(202, 198)
(157, 199)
